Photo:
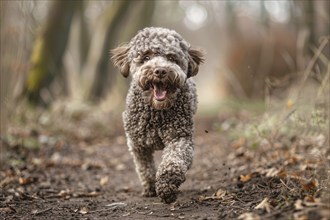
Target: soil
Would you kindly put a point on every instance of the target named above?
(73, 179)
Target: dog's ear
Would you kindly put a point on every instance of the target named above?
(196, 57)
(120, 59)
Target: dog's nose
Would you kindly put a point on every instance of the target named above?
(160, 72)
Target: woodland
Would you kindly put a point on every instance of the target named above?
(262, 138)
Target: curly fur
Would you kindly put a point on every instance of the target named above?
(160, 103)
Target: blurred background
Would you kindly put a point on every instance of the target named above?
(55, 54)
(263, 113)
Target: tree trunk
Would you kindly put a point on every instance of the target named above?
(48, 50)
(3, 80)
(119, 22)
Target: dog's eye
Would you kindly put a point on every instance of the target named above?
(172, 59)
(145, 58)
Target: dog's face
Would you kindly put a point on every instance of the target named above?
(160, 60)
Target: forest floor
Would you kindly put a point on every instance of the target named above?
(240, 171)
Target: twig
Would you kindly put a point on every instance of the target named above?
(42, 211)
(285, 185)
(237, 207)
(111, 206)
(310, 65)
(324, 82)
(102, 210)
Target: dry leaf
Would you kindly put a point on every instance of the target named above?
(300, 216)
(298, 205)
(245, 178)
(84, 210)
(120, 167)
(64, 194)
(93, 194)
(293, 160)
(181, 216)
(205, 198)
(282, 173)
(289, 104)
(264, 205)
(272, 172)
(104, 181)
(249, 216)
(310, 185)
(310, 201)
(220, 193)
(24, 181)
(238, 143)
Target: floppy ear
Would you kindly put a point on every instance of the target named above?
(120, 59)
(196, 57)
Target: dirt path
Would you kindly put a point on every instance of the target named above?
(98, 181)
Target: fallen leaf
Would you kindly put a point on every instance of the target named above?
(249, 216)
(289, 104)
(300, 216)
(293, 159)
(220, 193)
(64, 193)
(264, 205)
(104, 181)
(84, 210)
(298, 205)
(181, 216)
(93, 194)
(238, 143)
(282, 173)
(245, 178)
(272, 172)
(120, 167)
(24, 181)
(310, 185)
(203, 198)
(310, 201)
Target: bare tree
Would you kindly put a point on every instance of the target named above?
(119, 21)
(48, 49)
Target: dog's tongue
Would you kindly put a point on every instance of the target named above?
(159, 91)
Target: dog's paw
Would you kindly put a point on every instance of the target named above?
(167, 192)
(168, 182)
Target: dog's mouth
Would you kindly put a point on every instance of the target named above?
(159, 90)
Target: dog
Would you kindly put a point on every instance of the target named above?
(160, 106)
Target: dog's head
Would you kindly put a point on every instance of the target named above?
(160, 60)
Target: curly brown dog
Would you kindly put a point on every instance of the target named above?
(160, 105)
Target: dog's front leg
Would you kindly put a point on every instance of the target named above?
(176, 160)
(145, 167)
